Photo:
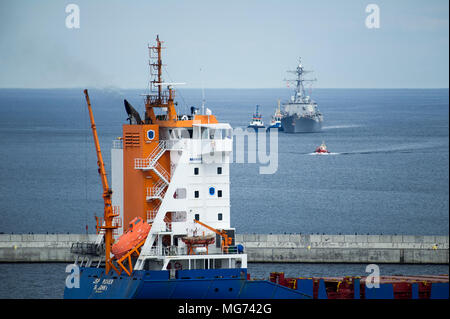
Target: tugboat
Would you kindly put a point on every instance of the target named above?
(322, 149)
(164, 186)
(276, 119)
(256, 121)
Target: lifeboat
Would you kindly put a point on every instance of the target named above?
(136, 233)
(198, 244)
(322, 149)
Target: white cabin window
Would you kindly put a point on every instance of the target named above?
(180, 193)
(179, 216)
(179, 133)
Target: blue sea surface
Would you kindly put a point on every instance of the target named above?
(47, 280)
(388, 173)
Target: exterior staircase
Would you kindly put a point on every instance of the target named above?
(157, 191)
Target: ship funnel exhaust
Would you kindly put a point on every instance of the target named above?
(133, 115)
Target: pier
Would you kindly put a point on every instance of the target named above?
(396, 249)
(282, 248)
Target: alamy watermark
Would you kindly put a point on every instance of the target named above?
(373, 19)
(73, 17)
(73, 279)
(373, 279)
(227, 145)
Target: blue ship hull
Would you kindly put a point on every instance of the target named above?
(187, 284)
(214, 284)
(255, 127)
(276, 126)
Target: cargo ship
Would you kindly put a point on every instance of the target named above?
(174, 198)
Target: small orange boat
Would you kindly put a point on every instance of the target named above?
(322, 149)
(136, 233)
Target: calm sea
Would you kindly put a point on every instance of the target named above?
(389, 174)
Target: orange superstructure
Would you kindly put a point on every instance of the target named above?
(146, 165)
(142, 173)
(136, 145)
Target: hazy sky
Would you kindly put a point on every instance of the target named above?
(237, 44)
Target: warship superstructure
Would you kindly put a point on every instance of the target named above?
(300, 113)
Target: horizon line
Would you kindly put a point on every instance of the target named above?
(224, 88)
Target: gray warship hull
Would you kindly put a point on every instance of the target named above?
(296, 124)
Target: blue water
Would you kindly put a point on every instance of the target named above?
(389, 174)
(47, 280)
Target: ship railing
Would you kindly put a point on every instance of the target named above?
(152, 158)
(155, 251)
(163, 99)
(160, 148)
(158, 191)
(85, 248)
(229, 250)
(158, 167)
(116, 222)
(182, 251)
(168, 251)
(151, 215)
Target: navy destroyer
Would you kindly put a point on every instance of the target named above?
(300, 114)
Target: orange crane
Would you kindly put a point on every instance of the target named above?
(108, 214)
(226, 241)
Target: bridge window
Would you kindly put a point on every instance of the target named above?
(196, 171)
(219, 170)
(219, 193)
(219, 216)
(196, 194)
(197, 217)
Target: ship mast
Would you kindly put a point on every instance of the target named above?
(162, 99)
(108, 214)
(300, 94)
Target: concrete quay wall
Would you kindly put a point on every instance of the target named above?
(261, 248)
(400, 249)
(40, 247)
